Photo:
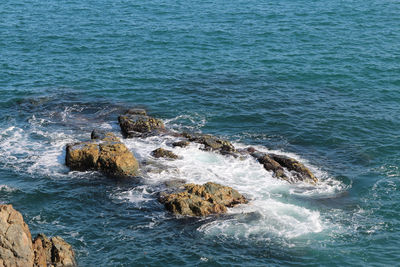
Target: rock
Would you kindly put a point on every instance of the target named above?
(15, 238)
(175, 183)
(62, 253)
(163, 153)
(138, 124)
(136, 111)
(202, 200)
(270, 165)
(302, 172)
(277, 163)
(212, 143)
(18, 249)
(180, 143)
(108, 155)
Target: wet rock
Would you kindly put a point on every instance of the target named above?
(175, 183)
(163, 153)
(180, 143)
(108, 155)
(18, 249)
(301, 171)
(277, 164)
(212, 143)
(202, 200)
(138, 124)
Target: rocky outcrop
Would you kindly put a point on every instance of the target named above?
(296, 171)
(202, 200)
(212, 143)
(17, 248)
(105, 152)
(15, 239)
(53, 252)
(181, 143)
(136, 123)
(163, 153)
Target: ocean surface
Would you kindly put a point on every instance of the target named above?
(318, 80)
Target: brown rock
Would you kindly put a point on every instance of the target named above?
(62, 253)
(15, 238)
(302, 172)
(163, 153)
(180, 143)
(17, 248)
(202, 200)
(108, 155)
(212, 143)
(136, 125)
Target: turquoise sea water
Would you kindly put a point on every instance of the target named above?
(317, 80)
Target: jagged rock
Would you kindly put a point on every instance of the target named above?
(136, 123)
(18, 249)
(15, 239)
(202, 200)
(277, 163)
(62, 253)
(163, 153)
(180, 143)
(302, 172)
(212, 143)
(108, 155)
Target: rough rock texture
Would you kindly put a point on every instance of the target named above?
(163, 153)
(17, 248)
(53, 252)
(301, 171)
(277, 163)
(180, 144)
(15, 239)
(107, 154)
(138, 124)
(202, 200)
(212, 143)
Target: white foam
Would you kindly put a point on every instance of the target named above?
(267, 194)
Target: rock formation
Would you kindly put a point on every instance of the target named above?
(163, 153)
(211, 143)
(136, 123)
(105, 152)
(17, 248)
(202, 200)
(278, 164)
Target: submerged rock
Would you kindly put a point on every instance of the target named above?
(18, 249)
(212, 143)
(163, 153)
(277, 163)
(202, 200)
(136, 123)
(107, 154)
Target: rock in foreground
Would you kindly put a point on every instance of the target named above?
(105, 153)
(17, 248)
(202, 200)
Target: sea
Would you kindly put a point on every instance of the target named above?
(316, 80)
